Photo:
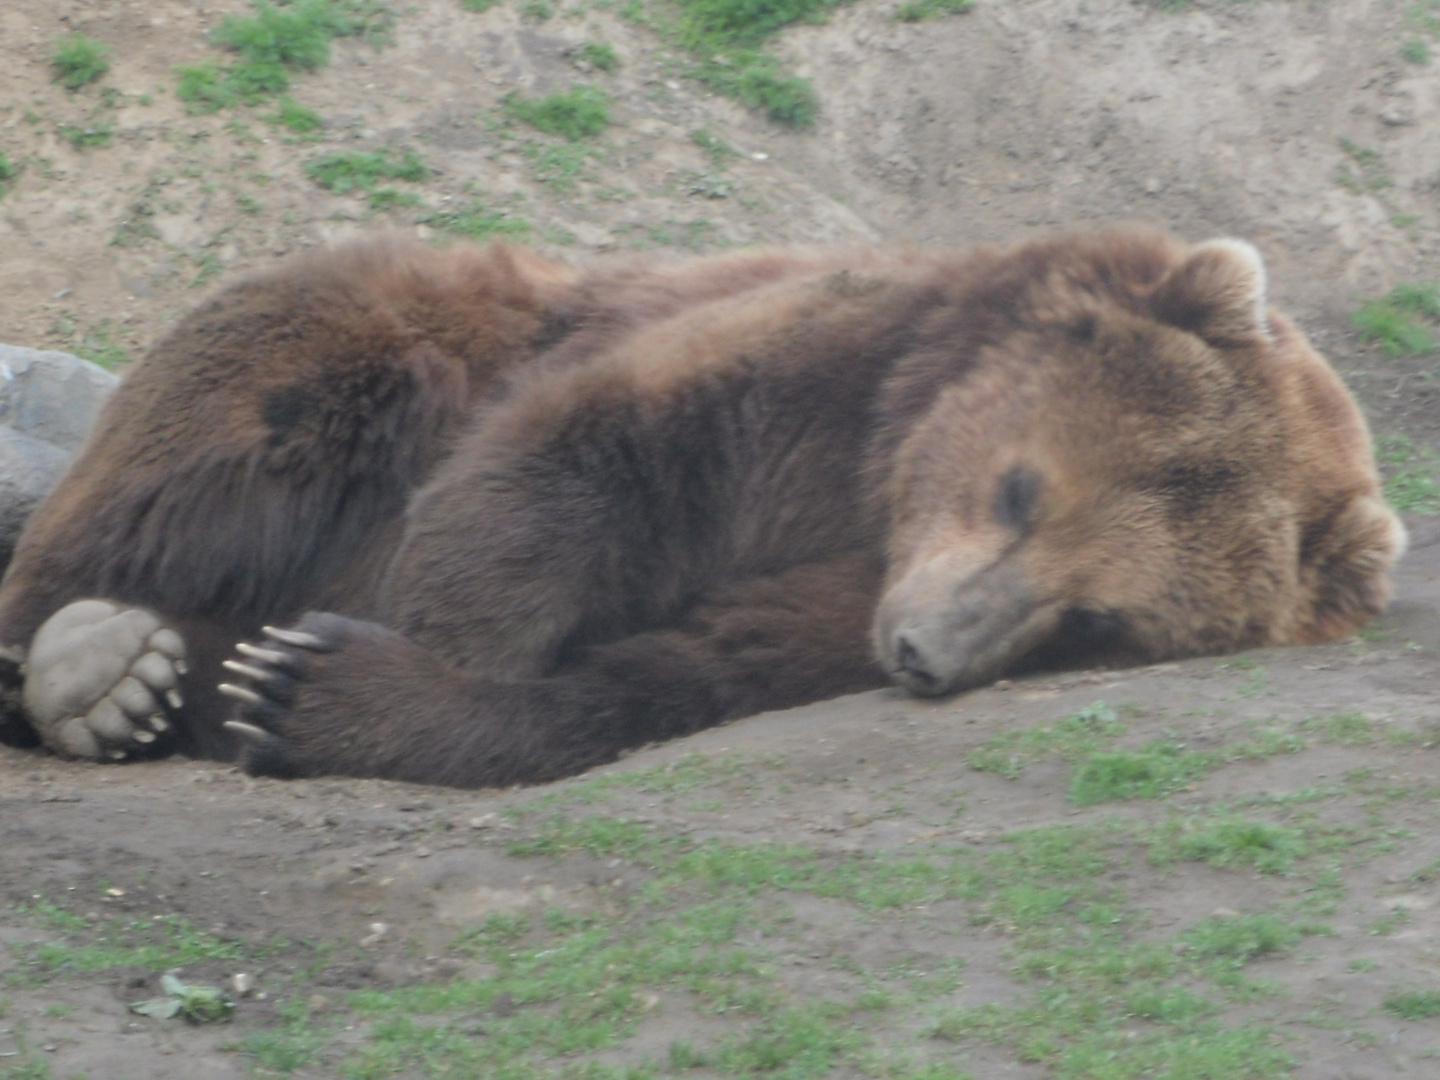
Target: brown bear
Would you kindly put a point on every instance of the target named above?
(539, 516)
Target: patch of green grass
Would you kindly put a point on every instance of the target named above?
(796, 1042)
(77, 60)
(276, 40)
(158, 943)
(207, 88)
(477, 221)
(727, 42)
(1415, 50)
(600, 55)
(477, 5)
(759, 81)
(720, 152)
(100, 133)
(1236, 940)
(1345, 729)
(98, 347)
(680, 777)
(8, 173)
(923, 10)
(1231, 842)
(207, 268)
(289, 1046)
(1411, 486)
(1398, 320)
(202, 88)
(300, 119)
(1072, 739)
(1413, 1004)
(561, 165)
(580, 112)
(1365, 172)
(1156, 770)
(295, 35)
(345, 171)
(388, 198)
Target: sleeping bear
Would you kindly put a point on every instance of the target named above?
(475, 518)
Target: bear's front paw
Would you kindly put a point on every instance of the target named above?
(270, 675)
(99, 679)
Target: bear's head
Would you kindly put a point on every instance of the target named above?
(1111, 446)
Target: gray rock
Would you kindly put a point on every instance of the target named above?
(29, 468)
(48, 401)
(51, 396)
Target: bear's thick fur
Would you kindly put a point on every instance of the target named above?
(549, 515)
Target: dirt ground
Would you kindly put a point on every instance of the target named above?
(1296, 125)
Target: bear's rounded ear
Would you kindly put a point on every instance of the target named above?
(1217, 293)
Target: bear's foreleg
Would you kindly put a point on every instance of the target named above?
(335, 695)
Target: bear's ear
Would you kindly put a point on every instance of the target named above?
(1344, 569)
(1217, 293)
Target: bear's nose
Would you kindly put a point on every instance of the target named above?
(910, 663)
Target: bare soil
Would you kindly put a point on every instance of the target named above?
(1022, 117)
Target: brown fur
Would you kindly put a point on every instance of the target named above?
(736, 484)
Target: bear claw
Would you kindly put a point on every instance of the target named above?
(298, 638)
(242, 694)
(98, 675)
(248, 731)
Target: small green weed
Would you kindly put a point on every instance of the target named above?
(8, 173)
(78, 60)
(81, 138)
(207, 268)
(1414, 1004)
(477, 5)
(388, 198)
(300, 119)
(538, 10)
(1423, 18)
(477, 221)
(294, 36)
(1365, 172)
(922, 10)
(1346, 729)
(580, 112)
(1398, 320)
(98, 348)
(721, 153)
(561, 165)
(758, 81)
(348, 170)
(1411, 486)
(599, 55)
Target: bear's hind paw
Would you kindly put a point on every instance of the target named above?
(99, 679)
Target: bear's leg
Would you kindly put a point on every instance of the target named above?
(103, 681)
(336, 695)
